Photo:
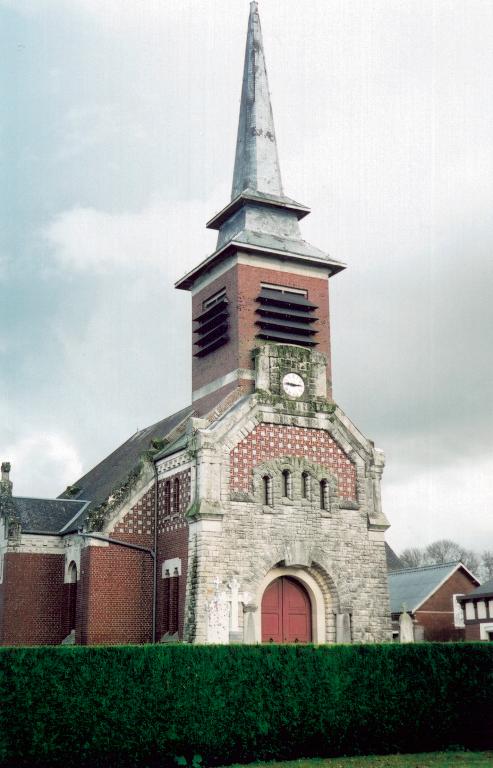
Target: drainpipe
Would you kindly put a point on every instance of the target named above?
(151, 552)
(154, 573)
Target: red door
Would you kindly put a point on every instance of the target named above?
(286, 612)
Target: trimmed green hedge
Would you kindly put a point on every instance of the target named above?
(144, 706)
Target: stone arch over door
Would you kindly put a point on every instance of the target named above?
(314, 593)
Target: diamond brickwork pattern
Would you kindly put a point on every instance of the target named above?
(272, 441)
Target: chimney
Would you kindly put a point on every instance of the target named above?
(5, 482)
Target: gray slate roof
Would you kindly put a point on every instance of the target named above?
(46, 515)
(109, 474)
(393, 562)
(413, 585)
(485, 590)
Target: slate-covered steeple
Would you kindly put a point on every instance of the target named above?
(260, 218)
(260, 254)
(257, 161)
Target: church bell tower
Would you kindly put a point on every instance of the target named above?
(264, 286)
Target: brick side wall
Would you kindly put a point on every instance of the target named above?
(33, 602)
(225, 359)
(437, 614)
(473, 632)
(242, 284)
(114, 602)
(270, 441)
(114, 596)
(172, 543)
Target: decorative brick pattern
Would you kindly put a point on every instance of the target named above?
(140, 519)
(173, 500)
(271, 441)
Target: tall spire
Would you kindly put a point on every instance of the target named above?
(257, 162)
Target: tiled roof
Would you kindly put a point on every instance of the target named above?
(485, 590)
(46, 515)
(393, 562)
(109, 474)
(413, 585)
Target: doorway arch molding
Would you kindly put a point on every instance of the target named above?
(315, 594)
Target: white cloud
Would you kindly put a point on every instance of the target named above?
(453, 502)
(42, 463)
(167, 236)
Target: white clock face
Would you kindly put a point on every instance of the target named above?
(293, 385)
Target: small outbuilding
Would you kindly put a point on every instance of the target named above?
(430, 594)
(478, 612)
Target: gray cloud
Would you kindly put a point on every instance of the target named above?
(124, 130)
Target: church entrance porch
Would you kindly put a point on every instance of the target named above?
(286, 612)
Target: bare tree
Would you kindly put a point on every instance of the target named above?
(446, 551)
(442, 551)
(471, 560)
(486, 568)
(412, 557)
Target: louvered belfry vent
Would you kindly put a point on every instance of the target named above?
(286, 316)
(212, 325)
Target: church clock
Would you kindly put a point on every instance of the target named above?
(293, 385)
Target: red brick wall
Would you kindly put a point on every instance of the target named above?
(114, 597)
(33, 602)
(115, 590)
(172, 543)
(473, 632)
(115, 603)
(271, 441)
(437, 614)
(242, 284)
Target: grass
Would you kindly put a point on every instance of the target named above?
(423, 760)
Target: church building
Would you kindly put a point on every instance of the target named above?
(254, 514)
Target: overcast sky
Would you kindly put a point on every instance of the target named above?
(118, 121)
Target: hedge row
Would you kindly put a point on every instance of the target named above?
(146, 706)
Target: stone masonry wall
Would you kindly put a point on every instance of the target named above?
(335, 547)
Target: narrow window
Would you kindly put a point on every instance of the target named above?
(167, 498)
(306, 489)
(72, 597)
(176, 496)
(287, 484)
(324, 494)
(268, 491)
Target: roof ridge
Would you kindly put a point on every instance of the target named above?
(47, 498)
(427, 567)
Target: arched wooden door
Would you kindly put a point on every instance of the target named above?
(286, 612)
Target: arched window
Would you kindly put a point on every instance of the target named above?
(268, 491)
(306, 485)
(324, 495)
(72, 597)
(287, 484)
(167, 498)
(176, 496)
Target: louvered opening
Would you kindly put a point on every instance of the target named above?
(212, 325)
(286, 316)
